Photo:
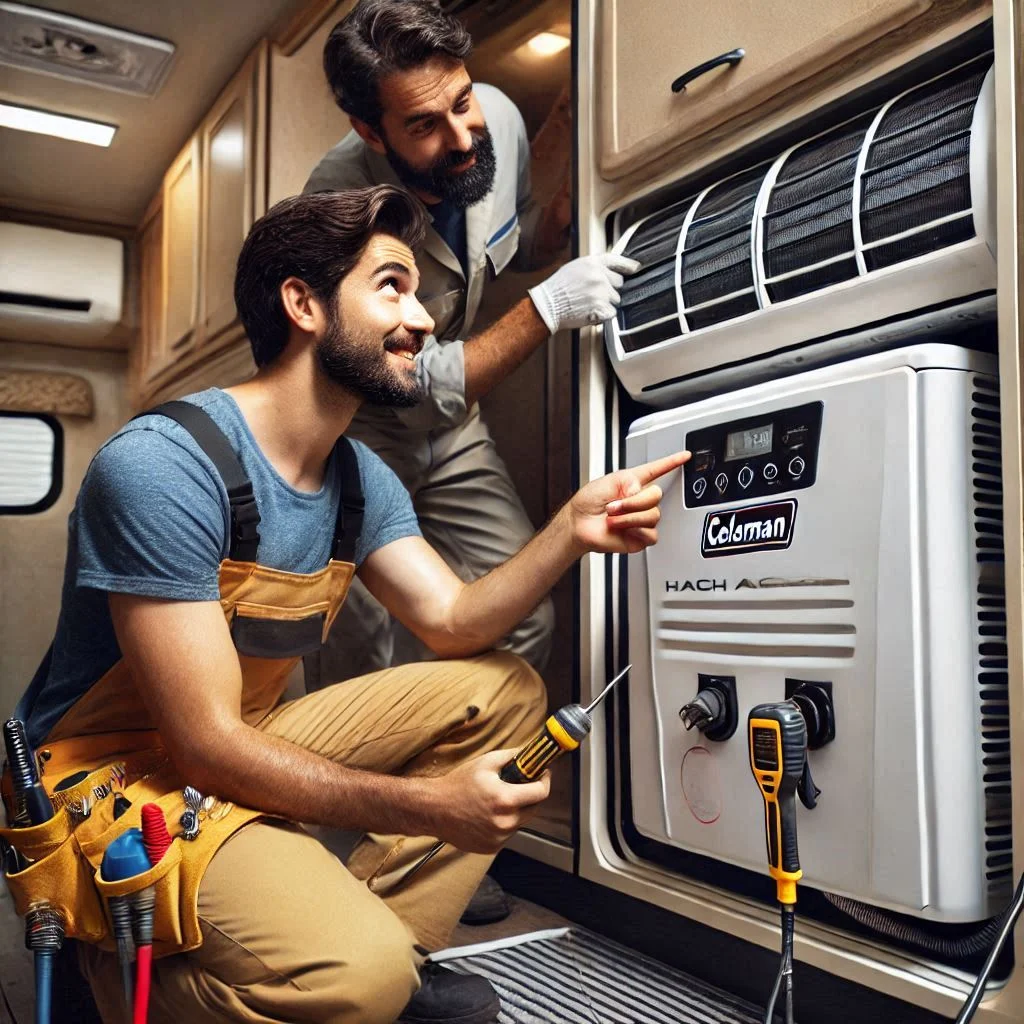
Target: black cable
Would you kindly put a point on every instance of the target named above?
(1006, 929)
(785, 975)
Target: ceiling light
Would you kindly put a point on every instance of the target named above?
(547, 43)
(25, 119)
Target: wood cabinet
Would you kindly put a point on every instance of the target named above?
(181, 253)
(231, 142)
(193, 232)
(152, 349)
(640, 55)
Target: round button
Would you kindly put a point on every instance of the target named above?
(770, 471)
(796, 466)
(721, 482)
(700, 485)
(745, 477)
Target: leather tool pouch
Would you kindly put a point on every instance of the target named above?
(66, 857)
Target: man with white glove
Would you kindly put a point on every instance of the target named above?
(582, 293)
(397, 70)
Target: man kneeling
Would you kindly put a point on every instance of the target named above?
(211, 546)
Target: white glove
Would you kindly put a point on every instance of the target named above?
(584, 291)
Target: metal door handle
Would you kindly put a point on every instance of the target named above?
(732, 57)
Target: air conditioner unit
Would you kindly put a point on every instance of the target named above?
(58, 286)
(843, 244)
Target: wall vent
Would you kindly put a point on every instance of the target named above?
(56, 44)
(992, 664)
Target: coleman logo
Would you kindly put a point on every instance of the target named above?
(753, 528)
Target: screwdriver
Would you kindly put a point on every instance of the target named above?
(563, 731)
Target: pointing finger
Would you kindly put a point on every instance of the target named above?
(659, 467)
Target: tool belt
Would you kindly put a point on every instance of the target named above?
(64, 853)
(275, 618)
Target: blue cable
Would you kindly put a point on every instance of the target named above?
(44, 985)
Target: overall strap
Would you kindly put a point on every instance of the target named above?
(349, 523)
(245, 517)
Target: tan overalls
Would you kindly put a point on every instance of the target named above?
(255, 920)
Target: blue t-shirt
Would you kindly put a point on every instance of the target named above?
(152, 519)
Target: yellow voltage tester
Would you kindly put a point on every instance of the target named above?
(778, 757)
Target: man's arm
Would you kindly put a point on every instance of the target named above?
(617, 513)
(193, 691)
(494, 353)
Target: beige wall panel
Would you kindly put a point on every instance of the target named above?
(32, 548)
(304, 119)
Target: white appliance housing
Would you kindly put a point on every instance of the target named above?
(57, 285)
(830, 250)
(873, 564)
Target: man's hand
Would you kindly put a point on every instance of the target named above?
(476, 811)
(584, 291)
(619, 513)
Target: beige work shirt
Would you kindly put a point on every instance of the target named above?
(500, 232)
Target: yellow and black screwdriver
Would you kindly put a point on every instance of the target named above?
(562, 732)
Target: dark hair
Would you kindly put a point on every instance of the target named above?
(379, 37)
(317, 238)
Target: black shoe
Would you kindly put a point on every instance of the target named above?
(447, 997)
(490, 903)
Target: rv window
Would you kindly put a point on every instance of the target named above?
(31, 462)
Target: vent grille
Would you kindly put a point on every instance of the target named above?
(716, 272)
(918, 170)
(808, 240)
(887, 187)
(992, 670)
(57, 44)
(648, 313)
(757, 628)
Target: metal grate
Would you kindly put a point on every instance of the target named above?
(578, 977)
(992, 667)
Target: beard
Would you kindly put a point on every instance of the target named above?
(353, 363)
(461, 189)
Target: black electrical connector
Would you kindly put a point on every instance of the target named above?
(814, 700)
(715, 709)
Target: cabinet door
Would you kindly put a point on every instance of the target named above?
(152, 355)
(232, 141)
(645, 47)
(181, 250)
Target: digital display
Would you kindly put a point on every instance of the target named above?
(766, 750)
(745, 444)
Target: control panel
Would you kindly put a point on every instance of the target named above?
(753, 457)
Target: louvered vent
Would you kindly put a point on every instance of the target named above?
(756, 628)
(716, 271)
(648, 313)
(916, 186)
(992, 678)
(884, 188)
(808, 241)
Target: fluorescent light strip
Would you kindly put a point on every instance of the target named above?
(25, 119)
